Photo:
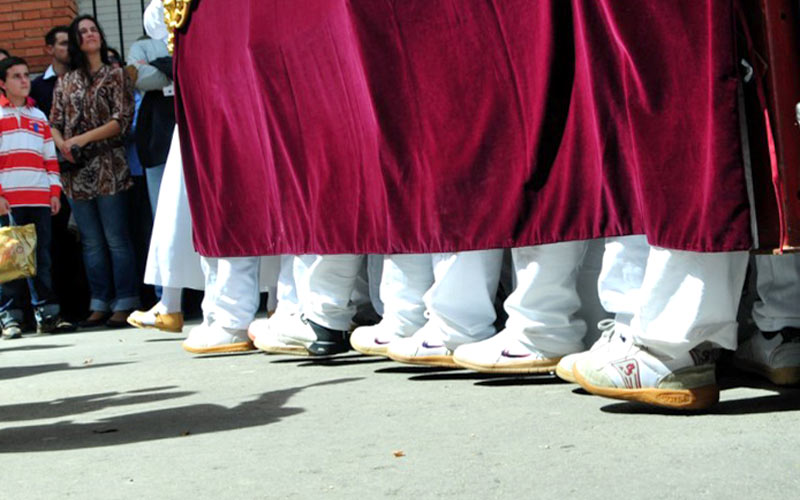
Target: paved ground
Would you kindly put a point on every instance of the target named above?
(128, 414)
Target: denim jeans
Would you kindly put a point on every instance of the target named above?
(108, 252)
(12, 294)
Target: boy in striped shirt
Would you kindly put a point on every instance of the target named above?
(30, 189)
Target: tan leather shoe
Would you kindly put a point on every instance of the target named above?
(172, 322)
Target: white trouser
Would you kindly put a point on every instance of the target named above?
(622, 275)
(542, 310)
(685, 299)
(404, 281)
(288, 299)
(460, 303)
(366, 292)
(326, 288)
(778, 285)
(454, 292)
(232, 296)
(374, 272)
(591, 311)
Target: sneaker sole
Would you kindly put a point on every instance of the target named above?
(142, 326)
(371, 351)
(538, 366)
(442, 361)
(778, 376)
(218, 349)
(686, 399)
(293, 350)
(565, 374)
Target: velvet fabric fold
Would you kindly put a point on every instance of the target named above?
(411, 126)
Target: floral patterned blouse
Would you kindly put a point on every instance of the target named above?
(81, 103)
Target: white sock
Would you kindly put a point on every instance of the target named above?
(170, 302)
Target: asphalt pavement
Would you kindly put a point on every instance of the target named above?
(129, 414)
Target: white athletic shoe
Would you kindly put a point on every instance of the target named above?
(564, 368)
(774, 355)
(425, 347)
(624, 370)
(264, 334)
(504, 353)
(299, 336)
(212, 339)
(374, 340)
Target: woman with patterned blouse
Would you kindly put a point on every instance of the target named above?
(92, 111)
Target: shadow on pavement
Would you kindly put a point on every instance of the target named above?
(165, 423)
(414, 370)
(286, 359)
(36, 347)
(506, 380)
(85, 404)
(338, 361)
(169, 339)
(11, 372)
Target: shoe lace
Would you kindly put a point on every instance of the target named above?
(607, 327)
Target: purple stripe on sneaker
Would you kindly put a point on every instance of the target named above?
(380, 342)
(507, 354)
(426, 345)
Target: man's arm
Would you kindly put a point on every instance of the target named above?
(150, 78)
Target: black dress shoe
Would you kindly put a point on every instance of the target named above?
(116, 324)
(113, 323)
(329, 342)
(94, 323)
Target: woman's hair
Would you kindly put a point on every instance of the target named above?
(116, 57)
(77, 59)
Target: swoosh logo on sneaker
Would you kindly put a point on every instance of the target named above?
(507, 354)
(426, 345)
(380, 342)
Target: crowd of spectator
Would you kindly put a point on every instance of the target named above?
(101, 127)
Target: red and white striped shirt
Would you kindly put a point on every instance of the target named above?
(29, 174)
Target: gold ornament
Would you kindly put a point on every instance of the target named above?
(176, 14)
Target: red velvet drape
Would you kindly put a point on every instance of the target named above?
(396, 126)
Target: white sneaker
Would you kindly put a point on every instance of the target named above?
(266, 339)
(374, 340)
(774, 355)
(211, 339)
(504, 353)
(624, 370)
(564, 368)
(300, 336)
(426, 347)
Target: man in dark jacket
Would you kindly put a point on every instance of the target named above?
(56, 47)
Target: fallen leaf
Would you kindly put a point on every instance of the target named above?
(88, 361)
(399, 453)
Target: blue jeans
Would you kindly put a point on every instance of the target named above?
(107, 252)
(12, 294)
